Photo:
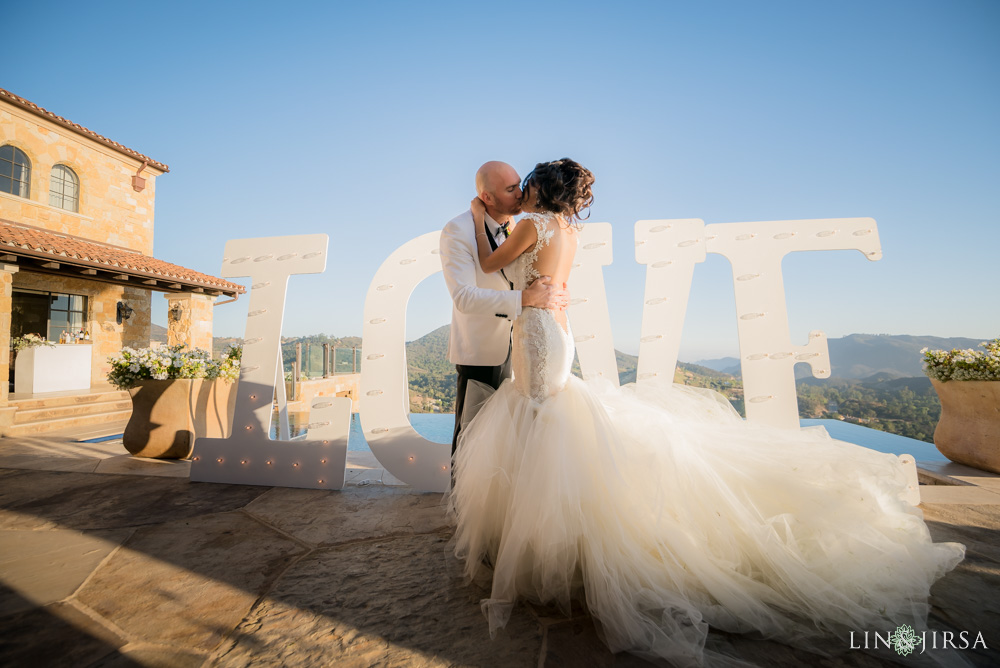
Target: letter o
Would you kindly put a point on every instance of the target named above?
(385, 400)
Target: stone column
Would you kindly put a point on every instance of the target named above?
(135, 330)
(7, 272)
(189, 319)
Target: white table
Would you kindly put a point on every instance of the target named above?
(52, 369)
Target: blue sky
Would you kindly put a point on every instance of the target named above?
(367, 121)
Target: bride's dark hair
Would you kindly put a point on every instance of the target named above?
(563, 187)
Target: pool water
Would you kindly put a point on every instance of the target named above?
(438, 427)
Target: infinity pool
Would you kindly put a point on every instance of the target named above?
(438, 427)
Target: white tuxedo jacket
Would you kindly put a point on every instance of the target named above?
(483, 305)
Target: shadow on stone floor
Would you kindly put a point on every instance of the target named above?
(204, 565)
(53, 635)
(231, 575)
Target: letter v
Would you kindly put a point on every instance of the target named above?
(670, 249)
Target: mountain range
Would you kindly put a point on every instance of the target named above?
(862, 356)
(874, 358)
(876, 380)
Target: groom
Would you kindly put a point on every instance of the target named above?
(485, 305)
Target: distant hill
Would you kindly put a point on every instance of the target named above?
(881, 400)
(432, 376)
(877, 381)
(626, 363)
(157, 333)
(881, 381)
(221, 343)
(311, 348)
(430, 351)
(861, 356)
(864, 355)
(721, 364)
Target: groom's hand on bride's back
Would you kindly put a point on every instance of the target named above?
(542, 294)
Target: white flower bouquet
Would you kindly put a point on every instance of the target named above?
(19, 343)
(969, 364)
(131, 366)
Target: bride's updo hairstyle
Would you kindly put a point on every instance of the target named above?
(563, 187)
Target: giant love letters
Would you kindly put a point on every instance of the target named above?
(668, 248)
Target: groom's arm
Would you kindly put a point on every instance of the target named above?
(459, 267)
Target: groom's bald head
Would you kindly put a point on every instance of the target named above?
(499, 186)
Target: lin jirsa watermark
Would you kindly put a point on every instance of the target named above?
(907, 641)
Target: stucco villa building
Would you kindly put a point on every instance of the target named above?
(76, 258)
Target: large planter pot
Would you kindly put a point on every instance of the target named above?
(168, 415)
(969, 429)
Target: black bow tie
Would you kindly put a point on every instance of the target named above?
(504, 229)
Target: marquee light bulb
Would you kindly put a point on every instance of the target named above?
(219, 460)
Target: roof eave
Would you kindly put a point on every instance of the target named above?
(34, 109)
(163, 281)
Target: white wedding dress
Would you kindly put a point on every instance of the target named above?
(669, 514)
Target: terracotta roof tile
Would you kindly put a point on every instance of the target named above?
(42, 242)
(76, 127)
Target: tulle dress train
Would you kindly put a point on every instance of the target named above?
(667, 514)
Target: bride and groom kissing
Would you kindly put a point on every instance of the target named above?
(656, 505)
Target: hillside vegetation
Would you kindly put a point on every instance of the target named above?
(877, 380)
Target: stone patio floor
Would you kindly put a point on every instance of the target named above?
(108, 560)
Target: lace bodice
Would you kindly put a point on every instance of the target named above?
(542, 351)
(525, 271)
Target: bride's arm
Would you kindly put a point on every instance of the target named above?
(519, 241)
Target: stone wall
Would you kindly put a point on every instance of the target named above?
(7, 274)
(110, 210)
(189, 320)
(108, 337)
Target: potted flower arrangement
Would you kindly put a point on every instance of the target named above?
(177, 395)
(968, 384)
(19, 343)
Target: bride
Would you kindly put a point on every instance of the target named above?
(658, 505)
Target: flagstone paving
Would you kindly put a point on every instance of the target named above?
(110, 561)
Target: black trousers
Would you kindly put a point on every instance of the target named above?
(491, 375)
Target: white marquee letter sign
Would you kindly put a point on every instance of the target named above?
(588, 310)
(669, 249)
(385, 398)
(249, 456)
(767, 356)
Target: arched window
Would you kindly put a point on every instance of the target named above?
(15, 171)
(64, 188)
